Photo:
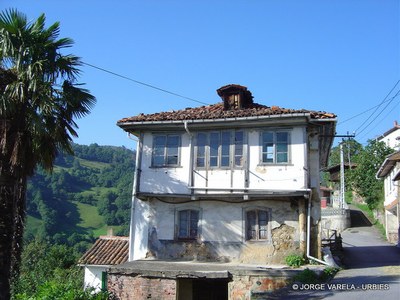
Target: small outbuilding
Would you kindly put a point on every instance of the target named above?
(105, 252)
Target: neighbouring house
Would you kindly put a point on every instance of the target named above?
(221, 194)
(390, 173)
(105, 252)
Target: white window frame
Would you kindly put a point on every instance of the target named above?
(166, 151)
(212, 160)
(274, 149)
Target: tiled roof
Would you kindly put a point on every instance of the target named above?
(217, 111)
(107, 250)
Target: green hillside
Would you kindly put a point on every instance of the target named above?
(84, 196)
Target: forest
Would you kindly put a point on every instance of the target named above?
(86, 194)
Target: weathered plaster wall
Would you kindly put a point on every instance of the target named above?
(222, 232)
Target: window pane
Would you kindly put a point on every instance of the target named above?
(281, 148)
(251, 225)
(194, 220)
(268, 137)
(172, 160)
(282, 157)
(214, 145)
(225, 161)
(262, 224)
(200, 162)
(183, 224)
(158, 160)
(201, 149)
(173, 141)
(282, 137)
(159, 140)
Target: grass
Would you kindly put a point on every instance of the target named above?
(90, 217)
(93, 164)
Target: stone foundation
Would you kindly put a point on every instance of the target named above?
(161, 280)
(137, 288)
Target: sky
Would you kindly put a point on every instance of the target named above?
(339, 56)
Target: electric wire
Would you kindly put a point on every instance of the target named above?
(373, 120)
(143, 83)
(397, 94)
(377, 107)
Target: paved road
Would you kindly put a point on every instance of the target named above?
(372, 268)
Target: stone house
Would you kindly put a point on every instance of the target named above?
(105, 252)
(217, 189)
(390, 173)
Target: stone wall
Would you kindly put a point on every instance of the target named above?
(254, 287)
(136, 287)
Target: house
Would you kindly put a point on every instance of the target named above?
(390, 173)
(223, 186)
(105, 252)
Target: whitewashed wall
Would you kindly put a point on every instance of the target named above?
(289, 177)
(93, 277)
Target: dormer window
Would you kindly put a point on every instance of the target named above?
(235, 97)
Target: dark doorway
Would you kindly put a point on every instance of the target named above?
(203, 289)
(211, 289)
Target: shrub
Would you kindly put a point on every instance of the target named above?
(294, 260)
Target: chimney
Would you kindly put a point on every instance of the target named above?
(396, 125)
(110, 231)
(235, 97)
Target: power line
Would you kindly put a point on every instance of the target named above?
(143, 83)
(398, 92)
(377, 107)
(395, 96)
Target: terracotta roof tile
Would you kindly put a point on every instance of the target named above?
(107, 250)
(217, 111)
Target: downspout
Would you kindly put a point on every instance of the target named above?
(190, 179)
(309, 233)
(308, 251)
(132, 231)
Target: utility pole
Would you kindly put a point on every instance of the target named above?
(342, 185)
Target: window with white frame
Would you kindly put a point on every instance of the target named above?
(275, 147)
(166, 150)
(188, 224)
(219, 149)
(257, 225)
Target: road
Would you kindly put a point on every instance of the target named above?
(372, 268)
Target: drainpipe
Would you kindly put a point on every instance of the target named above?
(132, 231)
(190, 179)
(309, 233)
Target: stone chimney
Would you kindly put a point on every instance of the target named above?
(235, 97)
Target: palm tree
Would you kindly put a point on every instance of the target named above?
(39, 100)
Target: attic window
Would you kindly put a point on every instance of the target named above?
(235, 97)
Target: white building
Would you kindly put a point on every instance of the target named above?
(105, 252)
(231, 182)
(390, 172)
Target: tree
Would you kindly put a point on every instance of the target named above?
(363, 178)
(39, 101)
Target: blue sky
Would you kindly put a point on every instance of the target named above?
(339, 56)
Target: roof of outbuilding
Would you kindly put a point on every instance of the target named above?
(107, 250)
(217, 111)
